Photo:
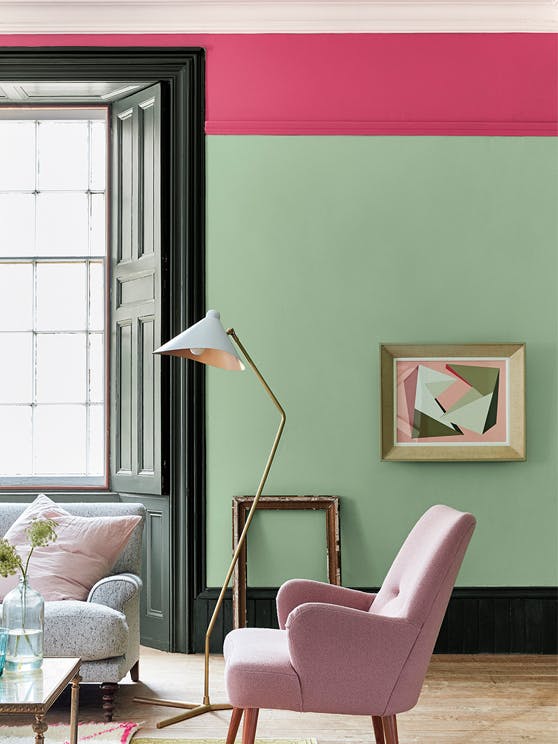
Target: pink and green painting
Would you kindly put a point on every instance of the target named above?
(451, 401)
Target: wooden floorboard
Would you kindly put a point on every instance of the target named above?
(465, 700)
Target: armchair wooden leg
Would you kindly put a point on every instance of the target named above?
(378, 729)
(250, 723)
(109, 691)
(390, 729)
(234, 724)
(134, 672)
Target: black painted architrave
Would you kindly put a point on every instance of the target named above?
(490, 620)
(182, 73)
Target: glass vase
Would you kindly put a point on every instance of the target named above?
(23, 615)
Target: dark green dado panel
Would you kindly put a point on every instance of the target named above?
(155, 602)
(478, 620)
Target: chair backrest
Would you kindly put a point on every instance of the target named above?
(418, 588)
(130, 558)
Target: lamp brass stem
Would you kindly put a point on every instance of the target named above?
(207, 706)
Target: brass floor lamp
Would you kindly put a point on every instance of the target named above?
(209, 343)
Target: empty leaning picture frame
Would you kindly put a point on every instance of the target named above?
(452, 402)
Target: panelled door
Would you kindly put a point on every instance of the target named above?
(136, 287)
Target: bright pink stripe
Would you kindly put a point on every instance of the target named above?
(128, 728)
(108, 728)
(498, 84)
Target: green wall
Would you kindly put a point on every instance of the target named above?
(318, 250)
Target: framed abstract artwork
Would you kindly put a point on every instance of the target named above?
(452, 402)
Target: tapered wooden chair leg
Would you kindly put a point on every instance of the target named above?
(250, 723)
(234, 724)
(378, 729)
(390, 729)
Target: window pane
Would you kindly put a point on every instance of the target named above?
(52, 313)
(15, 440)
(98, 155)
(62, 224)
(16, 297)
(16, 370)
(17, 224)
(96, 368)
(63, 155)
(97, 440)
(98, 225)
(61, 369)
(61, 297)
(96, 296)
(17, 155)
(60, 440)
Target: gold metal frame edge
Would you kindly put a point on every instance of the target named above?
(515, 451)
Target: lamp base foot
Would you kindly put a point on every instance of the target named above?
(193, 709)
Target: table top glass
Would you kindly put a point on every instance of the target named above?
(36, 690)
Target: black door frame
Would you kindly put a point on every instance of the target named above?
(182, 71)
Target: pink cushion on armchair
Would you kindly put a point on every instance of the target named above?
(85, 551)
(248, 651)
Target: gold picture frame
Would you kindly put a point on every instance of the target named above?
(452, 402)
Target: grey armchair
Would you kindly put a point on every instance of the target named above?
(104, 629)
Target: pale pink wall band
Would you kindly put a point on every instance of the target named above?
(365, 84)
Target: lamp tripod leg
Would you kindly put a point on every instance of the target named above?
(198, 710)
(165, 703)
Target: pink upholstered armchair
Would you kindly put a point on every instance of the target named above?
(345, 651)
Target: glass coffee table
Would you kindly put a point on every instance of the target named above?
(34, 693)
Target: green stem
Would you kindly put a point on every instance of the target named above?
(23, 613)
(24, 570)
(24, 601)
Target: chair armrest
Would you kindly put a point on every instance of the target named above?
(347, 660)
(300, 591)
(115, 591)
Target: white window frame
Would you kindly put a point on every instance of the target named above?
(69, 482)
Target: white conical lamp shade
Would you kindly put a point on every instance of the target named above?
(207, 342)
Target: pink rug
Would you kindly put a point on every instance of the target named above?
(59, 733)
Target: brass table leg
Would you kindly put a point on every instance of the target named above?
(39, 728)
(74, 710)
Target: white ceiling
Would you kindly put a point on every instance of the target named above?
(57, 91)
(277, 16)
